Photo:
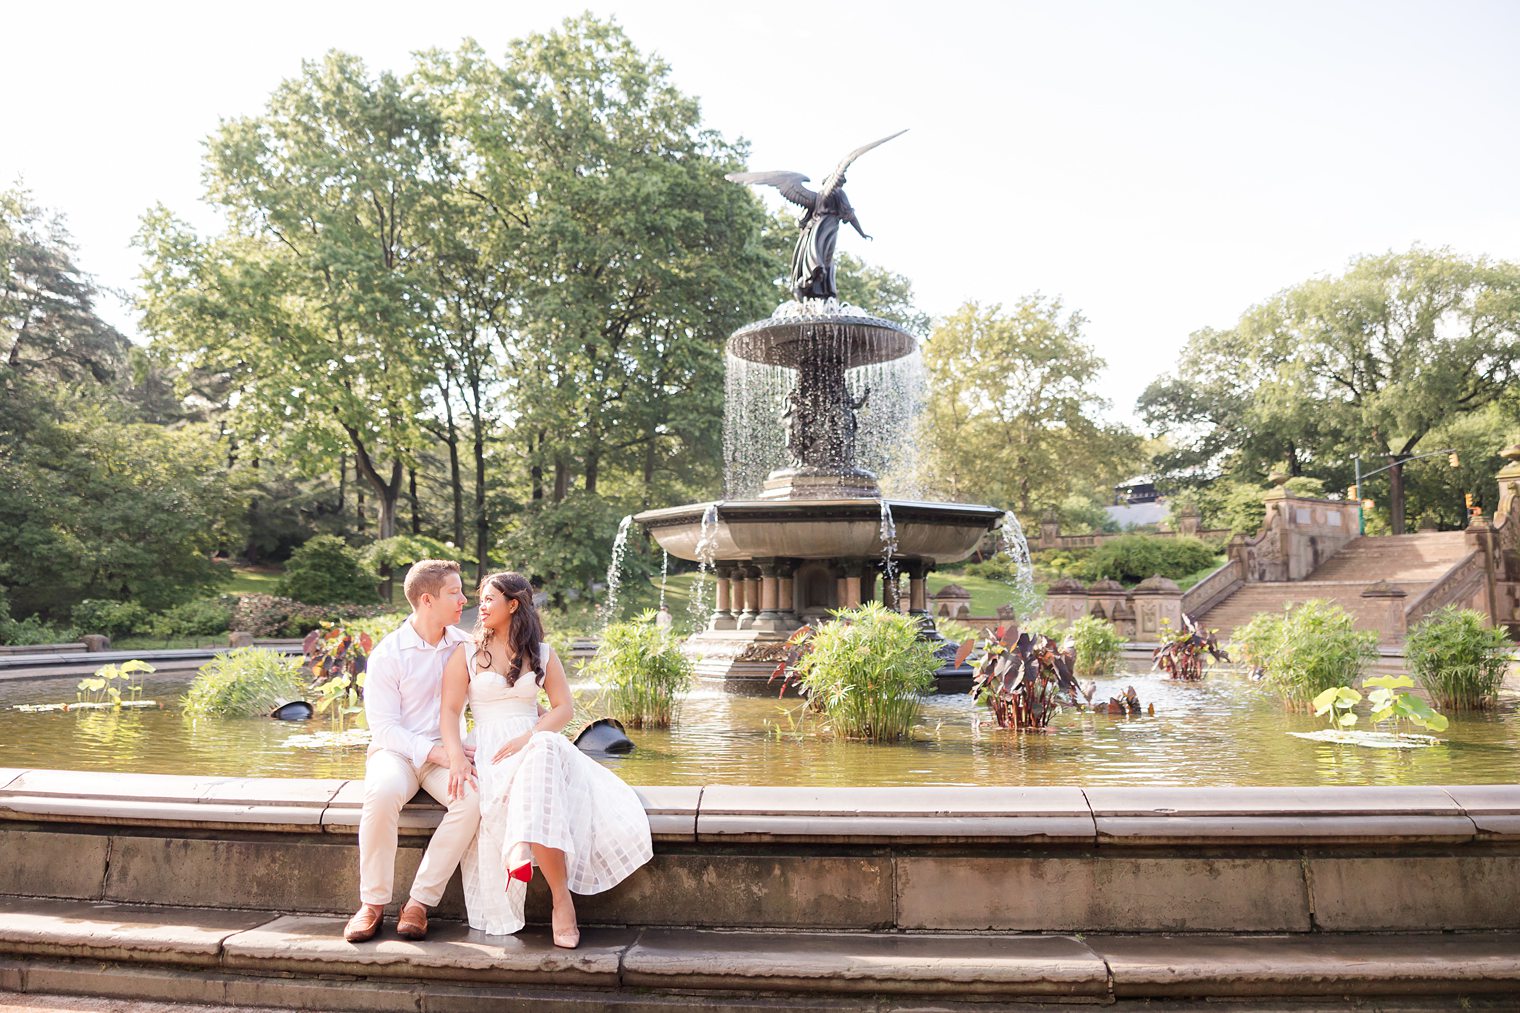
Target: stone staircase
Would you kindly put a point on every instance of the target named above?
(1411, 563)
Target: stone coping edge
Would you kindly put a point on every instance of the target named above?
(1093, 816)
(988, 965)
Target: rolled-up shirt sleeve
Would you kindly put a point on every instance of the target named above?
(382, 709)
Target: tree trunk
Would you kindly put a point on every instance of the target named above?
(342, 482)
(561, 477)
(1396, 496)
(456, 478)
(536, 471)
(359, 497)
(411, 491)
(593, 468)
(482, 519)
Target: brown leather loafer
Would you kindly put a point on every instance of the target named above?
(364, 924)
(413, 921)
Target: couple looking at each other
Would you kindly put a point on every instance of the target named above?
(519, 795)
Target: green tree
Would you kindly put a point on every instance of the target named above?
(94, 504)
(48, 323)
(1372, 363)
(310, 304)
(640, 259)
(1011, 417)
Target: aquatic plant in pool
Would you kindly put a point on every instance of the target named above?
(641, 671)
(866, 670)
(1317, 647)
(1459, 659)
(1024, 680)
(244, 682)
(113, 685)
(1097, 644)
(1181, 654)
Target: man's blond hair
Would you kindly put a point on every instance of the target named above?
(426, 577)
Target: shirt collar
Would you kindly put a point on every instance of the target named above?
(411, 640)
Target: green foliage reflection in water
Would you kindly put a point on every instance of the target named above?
(866, 670)
(245, 682)
(642, 672)
(1458, 658)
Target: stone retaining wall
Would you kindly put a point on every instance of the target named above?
(924, 859)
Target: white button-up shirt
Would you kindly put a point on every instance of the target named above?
(403, 683)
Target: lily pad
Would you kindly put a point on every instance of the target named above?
(1370, 739)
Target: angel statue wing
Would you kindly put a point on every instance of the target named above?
(789, 183)
(836, 178)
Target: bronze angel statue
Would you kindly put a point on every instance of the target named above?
(813, 259)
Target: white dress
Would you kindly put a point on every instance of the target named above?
(547, 793)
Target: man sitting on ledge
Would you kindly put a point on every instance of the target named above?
(401, 702)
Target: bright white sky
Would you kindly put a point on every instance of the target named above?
(1160, 166)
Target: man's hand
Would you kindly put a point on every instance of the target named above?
(440, 756)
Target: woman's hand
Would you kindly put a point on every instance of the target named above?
(512, 746)
(461, 773)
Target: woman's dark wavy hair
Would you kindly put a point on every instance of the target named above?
(524, 634)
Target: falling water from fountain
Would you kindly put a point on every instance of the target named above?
(707, 551)
(664, 575)
(609, 610)
(1015, 546)
(888, 552)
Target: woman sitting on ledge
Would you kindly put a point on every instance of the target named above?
(542, 801)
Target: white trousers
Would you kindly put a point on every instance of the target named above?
(390, 781)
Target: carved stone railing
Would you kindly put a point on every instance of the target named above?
(1457, 587)
(1214, 588)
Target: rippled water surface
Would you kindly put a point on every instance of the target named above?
(1225, 730)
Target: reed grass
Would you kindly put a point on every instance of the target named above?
(1459, 659)
(245, 682)
(867, 671)
(642, 672)
(1097, 644)
(1317, 647)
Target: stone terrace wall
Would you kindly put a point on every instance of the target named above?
(1293, 860)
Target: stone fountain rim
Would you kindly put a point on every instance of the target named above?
(818, 509)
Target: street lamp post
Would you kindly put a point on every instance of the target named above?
(1356, 460)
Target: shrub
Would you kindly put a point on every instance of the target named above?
(1130, 559)
(203, 618)
(866, 671)
(269, 616)
(401, 551)
(31, 630)
(1255, 642)
(1318, 648)
(1459, 659)
(324, 571)
(996, 567)
(1097, 643)
(246, 682)
(112, 618)
(642, 672)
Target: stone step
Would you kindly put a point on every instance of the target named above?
(253, 958)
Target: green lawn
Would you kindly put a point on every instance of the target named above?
(253, 580)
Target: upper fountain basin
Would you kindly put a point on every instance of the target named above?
(822, 529)
(797, 331)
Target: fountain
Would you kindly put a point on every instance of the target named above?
(814, 533)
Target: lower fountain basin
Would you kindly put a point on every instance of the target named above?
(822, 529)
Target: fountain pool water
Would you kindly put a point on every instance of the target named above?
(1226, 730)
